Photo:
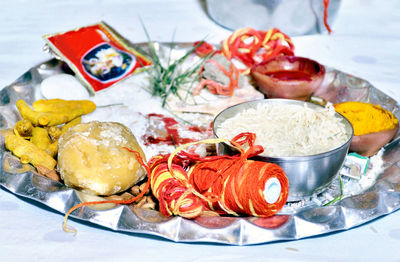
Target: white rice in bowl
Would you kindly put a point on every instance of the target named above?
(286, 130)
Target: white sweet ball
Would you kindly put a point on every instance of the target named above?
(63, 86)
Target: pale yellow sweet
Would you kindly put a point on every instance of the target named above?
(91, 158)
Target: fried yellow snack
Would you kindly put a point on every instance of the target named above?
(27, 112)
(56, 132)
(79, 107)
(23, 128)
(29, 152)
(40, 137)
(46, 118)
(70, 124)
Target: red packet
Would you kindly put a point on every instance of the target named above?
(97, 55)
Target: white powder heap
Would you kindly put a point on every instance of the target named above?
(128, 103)
(288, 130)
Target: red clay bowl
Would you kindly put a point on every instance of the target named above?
(370, 144)
(289, 77)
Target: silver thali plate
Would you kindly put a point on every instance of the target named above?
(295, 222)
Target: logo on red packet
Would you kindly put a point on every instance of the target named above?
(106, 63)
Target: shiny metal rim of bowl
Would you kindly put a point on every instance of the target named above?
(233, 110)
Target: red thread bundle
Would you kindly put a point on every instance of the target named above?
(174, 196)
(263, 45)
(225, 184)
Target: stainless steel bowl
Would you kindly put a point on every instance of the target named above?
(293, 17)
(307, 175)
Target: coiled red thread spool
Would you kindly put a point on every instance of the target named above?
(231, 185)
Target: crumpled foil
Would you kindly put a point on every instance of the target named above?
(295, 221)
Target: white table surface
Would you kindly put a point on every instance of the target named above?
(365, 42)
